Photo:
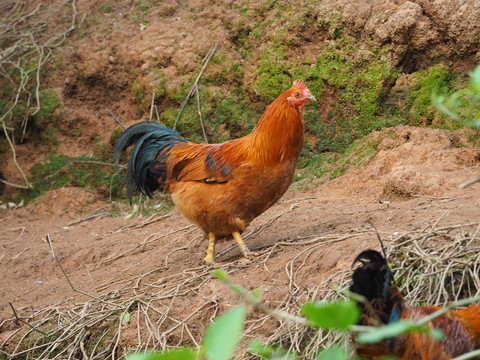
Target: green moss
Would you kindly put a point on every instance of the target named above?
(234, 117)
(241, 34)
(83, 171)
(273, 75)
(189, 124)
(357, 79)
(358, 153)
(168, 117)
(138, 91)
(18, 113)
(159, 92)
(474, 139)
(357, 88)
(49, 112)
(115, 136)
(142, 7)
(226, 116)
(223, 69)
(354, 83)
(106, 9)
(313, 165)
(50, 109)
(143, 93)
(89, 172)
(276, 73)
(437, 79)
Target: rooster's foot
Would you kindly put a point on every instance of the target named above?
(209, 260)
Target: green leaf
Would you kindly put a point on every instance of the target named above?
(396, 329)
(222, 337)
(270, 352)
(383, 332)
(335, 315)
(177, 354)
(258, 348)
(332, 353)
(220, 274)
(474, 124)
(257, 293)
(126, 318)
(437, 334)
(475, 79)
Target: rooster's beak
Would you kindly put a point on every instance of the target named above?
(311, 98)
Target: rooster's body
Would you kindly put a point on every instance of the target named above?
(385, 304)
(221, 187)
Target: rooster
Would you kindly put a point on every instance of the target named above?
(221, 187)
(385, 304)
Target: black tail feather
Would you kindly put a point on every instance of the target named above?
(145, 167)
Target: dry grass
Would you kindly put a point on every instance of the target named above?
(28, 37)
(435, 265)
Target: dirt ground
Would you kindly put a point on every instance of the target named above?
(305, 239)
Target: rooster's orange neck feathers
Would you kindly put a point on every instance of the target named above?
(279, 134)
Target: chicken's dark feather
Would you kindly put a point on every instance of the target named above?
(152, 143)
(385, 304)
(372, 280)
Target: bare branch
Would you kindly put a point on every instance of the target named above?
(25, 51)
(200, 115)
(470, 182)
(25, 322)
(151, 106)
(192, 89)
(47, 237)
(117, 120)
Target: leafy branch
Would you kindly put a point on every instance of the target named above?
(451, 105)
(224, 334)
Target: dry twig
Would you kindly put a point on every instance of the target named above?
(436, 265)
(195, 84)
(24, 42)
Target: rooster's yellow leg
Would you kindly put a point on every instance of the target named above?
(211, 249)
(243, 248)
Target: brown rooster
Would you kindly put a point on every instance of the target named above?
(385, 304)
(221, 187)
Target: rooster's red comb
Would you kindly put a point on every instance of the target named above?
(299, 84)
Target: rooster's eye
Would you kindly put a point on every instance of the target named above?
(297, 94)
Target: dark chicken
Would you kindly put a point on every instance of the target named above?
(385, 304)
